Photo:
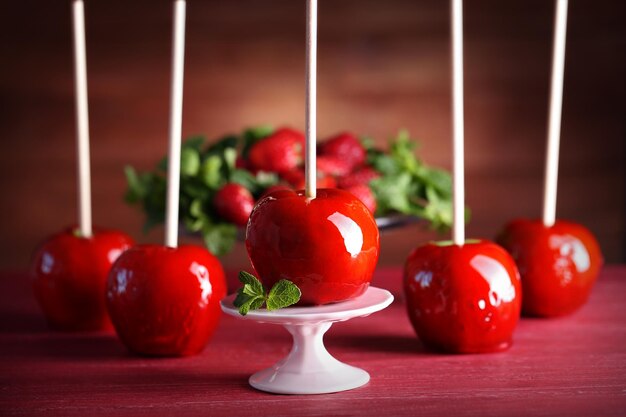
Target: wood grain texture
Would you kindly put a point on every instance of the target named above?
(382, 66)
(571, 366)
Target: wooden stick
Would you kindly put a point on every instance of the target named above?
(310, 170)
(176, 120)
(554, 122)
(458, 186)
(82, 120)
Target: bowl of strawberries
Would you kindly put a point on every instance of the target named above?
(221, 180)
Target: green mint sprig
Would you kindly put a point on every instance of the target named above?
(253, 294)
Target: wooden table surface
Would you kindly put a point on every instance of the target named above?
(572, 366)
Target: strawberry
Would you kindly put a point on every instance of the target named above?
(296, 179)
(241, 163)
(234, 203)
(344, 146)
(364, 193)
(359, 177)
(280, 152)
(331, 165)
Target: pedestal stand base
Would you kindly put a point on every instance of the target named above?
(309, 368)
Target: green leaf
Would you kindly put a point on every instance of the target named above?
(195, 208)
(218, 148)
(189, 162)
(210, 172)
(443, 243)
(244, 178)
(136, 187)
(385, 164)
(438, 211)
(283, 294)
(249, 280)
(251, 296)
(367, 142)
(392, 192)
(230, 157)
(194, 142)
(253, 135)
(219, 238)
(251, 304)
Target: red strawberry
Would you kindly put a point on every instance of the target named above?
(296, 179)
(331, 165)
(234, 203)
(362, 176)
(364, 193)
(241, 163)
(346, 147)
(280, 152)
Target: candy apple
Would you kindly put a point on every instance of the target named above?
(558, 264)
(328, 246)
(165, 301)
(70, 274)
(463, 299)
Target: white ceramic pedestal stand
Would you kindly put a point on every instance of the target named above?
(309, 368)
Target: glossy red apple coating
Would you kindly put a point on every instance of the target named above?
(165, 301)
(70, 274)
(558, 264)
(463, 299)
(327, 246)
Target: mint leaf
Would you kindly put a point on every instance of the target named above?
(194, 142)
(266, 179)
(210, 172)
(392, 193)
(443, 243)
(251, 304)
(189, 162)
(221, 145)
(230, 157)
(219, 238)
(136, 187)
(253, 135)
(252, 282)
(252, 295)
(283, 294)
(256, 184)
(245, 179)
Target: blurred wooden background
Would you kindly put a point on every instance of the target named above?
(383, 65)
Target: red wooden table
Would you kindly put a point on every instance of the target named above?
(572, 366)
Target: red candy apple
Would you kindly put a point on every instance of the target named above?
(165, 301)
(70, 274)
(558, 264)
(328, 246)
(463, 299)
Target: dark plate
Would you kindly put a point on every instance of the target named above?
(391, 222)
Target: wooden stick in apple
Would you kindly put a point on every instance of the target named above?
(70, 268)
(478, 279)
(554, 122)
(310, 170)
(559, 260)
(458, 186)
(159, 287)
(176, 117)
(82, 119)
